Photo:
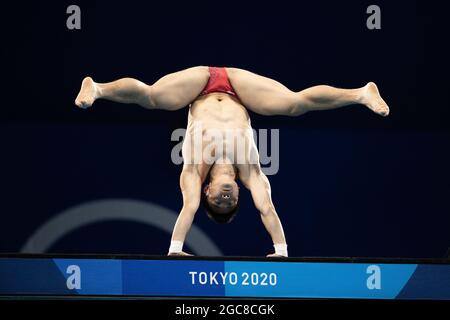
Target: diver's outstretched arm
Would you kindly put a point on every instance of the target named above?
(190, 184)
(259, 186)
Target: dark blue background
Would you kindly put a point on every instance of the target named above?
(350, 183)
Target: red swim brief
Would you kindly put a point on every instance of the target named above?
(218, 82)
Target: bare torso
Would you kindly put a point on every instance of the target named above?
(220, 114)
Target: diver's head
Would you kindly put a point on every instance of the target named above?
(220, 198)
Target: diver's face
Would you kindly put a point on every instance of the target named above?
(222, 195)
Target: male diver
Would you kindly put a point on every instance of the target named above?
(218, 99)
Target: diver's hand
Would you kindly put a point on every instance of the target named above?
(274, 255)
(179, 254)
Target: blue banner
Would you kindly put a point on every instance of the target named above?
(204, 278)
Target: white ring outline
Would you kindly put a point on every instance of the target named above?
(115, 209)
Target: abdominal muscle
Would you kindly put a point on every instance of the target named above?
(212, 115)
(217, 110)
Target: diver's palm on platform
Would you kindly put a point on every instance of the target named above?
(180, 254)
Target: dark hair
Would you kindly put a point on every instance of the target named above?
(221, 218)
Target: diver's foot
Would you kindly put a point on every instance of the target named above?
(87, 94)
(372, 99)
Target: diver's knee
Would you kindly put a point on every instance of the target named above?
(297, 104)
(147, 98)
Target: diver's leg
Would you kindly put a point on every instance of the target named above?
(172, 92)
(269, 97)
